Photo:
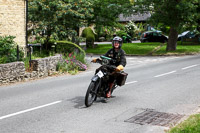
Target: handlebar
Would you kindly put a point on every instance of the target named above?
(104, 57)
(105, 61)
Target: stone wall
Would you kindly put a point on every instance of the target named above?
(15, 72)
(13, 19)
(12, 72)
(45, 66)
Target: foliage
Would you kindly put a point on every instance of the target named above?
(191, 125)
(133, 29)
(106, 13)
(72, 63)
(164, 11)
(119, 26)
(68, 47)
(121, 33)
(8, 50)
(76, 60)
(26, 63)
(89, 35)
(59, 19)
(165, 29)
(106, 32)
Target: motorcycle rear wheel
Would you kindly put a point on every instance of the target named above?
(91, 94)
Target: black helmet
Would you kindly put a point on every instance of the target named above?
(117, 39)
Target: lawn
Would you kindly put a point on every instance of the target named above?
(148, 48)
(191, 125)
(129, 48)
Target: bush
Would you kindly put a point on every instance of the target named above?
(121, 33)
(89, 35)
(74, 57)
(72, 63)
(8, 50)
(68, 47)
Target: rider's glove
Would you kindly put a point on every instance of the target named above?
(119, 68)
(94, 60)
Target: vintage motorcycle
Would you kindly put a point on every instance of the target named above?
(99, 85)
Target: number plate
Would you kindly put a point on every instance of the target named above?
(100, 74)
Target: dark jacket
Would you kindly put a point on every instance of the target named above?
(118, 56)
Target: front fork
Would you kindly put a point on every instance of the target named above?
(97, 81)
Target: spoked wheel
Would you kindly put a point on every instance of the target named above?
(91, 94)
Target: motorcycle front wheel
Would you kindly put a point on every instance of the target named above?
(91, 94)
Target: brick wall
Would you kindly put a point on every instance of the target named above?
(13, 19)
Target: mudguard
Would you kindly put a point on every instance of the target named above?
(95, 78)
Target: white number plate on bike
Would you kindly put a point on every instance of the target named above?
(100, 74)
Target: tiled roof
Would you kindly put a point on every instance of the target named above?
(134, 17)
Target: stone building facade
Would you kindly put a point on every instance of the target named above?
(13, 20)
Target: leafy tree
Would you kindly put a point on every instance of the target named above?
(106, 13)
(172, 13)
(59, 19)
(198, 16)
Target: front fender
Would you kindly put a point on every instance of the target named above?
(95, 78)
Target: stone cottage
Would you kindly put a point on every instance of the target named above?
(13, 20)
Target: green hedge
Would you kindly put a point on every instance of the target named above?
(88, 34)
(68, 47)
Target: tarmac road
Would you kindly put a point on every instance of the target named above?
(56, 104)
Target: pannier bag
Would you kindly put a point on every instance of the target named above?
(121, 78)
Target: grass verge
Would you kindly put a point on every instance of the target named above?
(149, 48)
(191, 125)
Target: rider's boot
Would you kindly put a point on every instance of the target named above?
(108, 95)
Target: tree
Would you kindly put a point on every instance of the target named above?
(198, 16)
(106, 13)
(172, 13)
(58, 18)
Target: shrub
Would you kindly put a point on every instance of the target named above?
(8, 50)
(68, 47)
(121, 33)
(72, 63)
(89, 35)
(76, 61)
(74, 57)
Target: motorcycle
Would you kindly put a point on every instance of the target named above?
(99, 85)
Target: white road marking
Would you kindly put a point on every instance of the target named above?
(28, 110)
(131, 82)
(164, 74)
(189, 67)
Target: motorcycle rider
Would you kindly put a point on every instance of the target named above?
(117, 54)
